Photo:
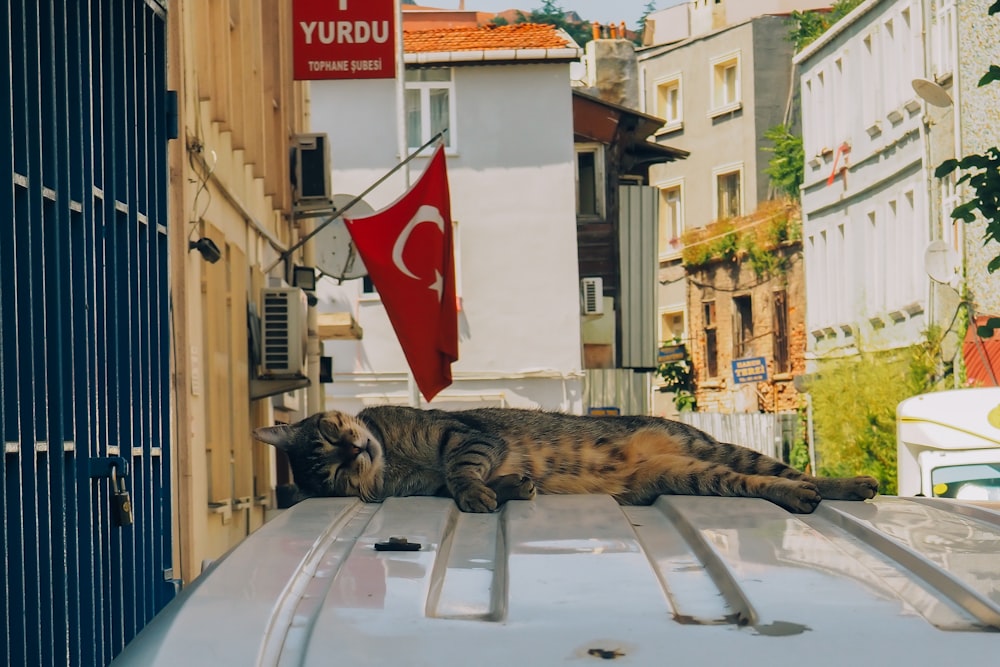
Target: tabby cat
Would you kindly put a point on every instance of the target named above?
(485, 456)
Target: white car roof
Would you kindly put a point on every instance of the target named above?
(688, 580)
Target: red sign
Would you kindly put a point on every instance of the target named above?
(344, 39)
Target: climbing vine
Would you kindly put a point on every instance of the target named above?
(752, 239)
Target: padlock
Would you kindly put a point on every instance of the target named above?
(121, 502)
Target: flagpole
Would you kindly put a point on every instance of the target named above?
(339, 212)
(411, 384)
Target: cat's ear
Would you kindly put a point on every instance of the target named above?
(279, 436)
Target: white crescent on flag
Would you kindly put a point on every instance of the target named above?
(425, 213)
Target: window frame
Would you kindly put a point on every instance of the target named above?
(675, 121)
(600, 180)
(943, 40)
(711, 330)
(726, 170)
(743, 326)
(781, 349)
(424, 89)
(722, 105)
(666, 248)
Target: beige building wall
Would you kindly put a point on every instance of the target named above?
(230, 64)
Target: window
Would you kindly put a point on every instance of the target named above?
(871, 75)
(671, 221)
(668, 102)
(430, 106)
(944, 38)
(590, 181)
(890, 87)
(672, 326)
(711, 340)
(821, 108)
(913, 233)
(838, 102)
(725, 84)
(782, 354)
(742, 327)
(728, 193)
(875, 264)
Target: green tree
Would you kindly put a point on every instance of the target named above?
(982, 172)
(551, 13)
(646, 11)
(811, 24)
(787, 166)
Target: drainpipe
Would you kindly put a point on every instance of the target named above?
(314, 392)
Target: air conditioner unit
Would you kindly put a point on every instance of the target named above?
(283, 332)
(311, 171)
(592, 296)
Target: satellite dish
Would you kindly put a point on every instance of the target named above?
(941, 262)
(336, 255)
(931, 92)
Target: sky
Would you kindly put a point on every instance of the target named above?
(603, 11)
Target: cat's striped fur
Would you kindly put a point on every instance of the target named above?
(485, 456)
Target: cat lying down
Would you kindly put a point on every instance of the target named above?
(486, 456)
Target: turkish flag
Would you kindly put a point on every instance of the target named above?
(407, 249)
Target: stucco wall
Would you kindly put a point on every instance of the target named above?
(512, 194)
(978, 37)
(730, 139)
(865, 232)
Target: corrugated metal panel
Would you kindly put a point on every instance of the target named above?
(688, 580)
(639, 264)
(621, 388)
(84, 378)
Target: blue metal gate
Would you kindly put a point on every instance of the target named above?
(84, 337)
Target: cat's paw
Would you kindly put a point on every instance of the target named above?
(513, 487)
(797, 496)
(847, 488)
(476, 498)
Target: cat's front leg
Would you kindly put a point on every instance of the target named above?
(474, 496)
(469, 460)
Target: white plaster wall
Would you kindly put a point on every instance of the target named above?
(846, 312)
(512, 194)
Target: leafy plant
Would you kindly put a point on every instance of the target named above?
(551, 13)
(855, 408)
(752, 239)
(787, 167)
(982, 173)
(811, 24)
(678, 377)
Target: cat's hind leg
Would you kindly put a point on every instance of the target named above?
(846, 488)
(684, 475)
(512, 487)
(752, 462)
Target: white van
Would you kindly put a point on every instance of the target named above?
(578, 580)
(948, 444)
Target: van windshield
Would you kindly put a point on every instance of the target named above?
(976, 481)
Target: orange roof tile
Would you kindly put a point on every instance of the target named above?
(485, 38)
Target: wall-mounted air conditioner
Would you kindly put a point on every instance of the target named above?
(592, 296)
(311, 171)
(283, 332)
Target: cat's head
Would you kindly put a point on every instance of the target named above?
(331, 454)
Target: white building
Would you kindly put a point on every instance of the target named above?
(867, 215)
(697, 17)
(504, 95)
